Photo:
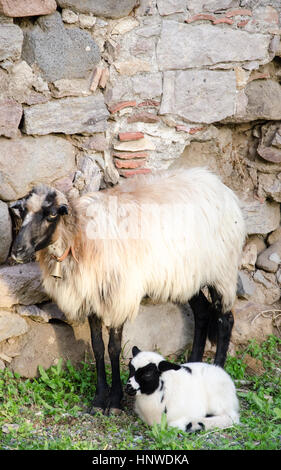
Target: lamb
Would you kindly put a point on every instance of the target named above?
(164, 236)
(194, 396)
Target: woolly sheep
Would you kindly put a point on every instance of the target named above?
(193, 396)
(165, 236)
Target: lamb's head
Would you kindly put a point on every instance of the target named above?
(40, 212)
(144, 372)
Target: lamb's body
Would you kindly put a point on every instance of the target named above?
(113, 275)
(195, 393)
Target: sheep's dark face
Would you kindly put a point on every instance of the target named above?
(40, 213)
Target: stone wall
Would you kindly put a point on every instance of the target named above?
(95, 91)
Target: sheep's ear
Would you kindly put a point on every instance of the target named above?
(135, 351)
(63, 209)
(163, 366)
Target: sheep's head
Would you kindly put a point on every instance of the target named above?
(40, 212)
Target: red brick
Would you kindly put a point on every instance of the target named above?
(120, 105)
(129, 163)
(242, 23)
(223, 20)
(149, 103)
(130, 155)
(200, 16)
(128, 136)
(139, 171)
(95, 78)
(239, 12)
(143, 117)
(189, 130)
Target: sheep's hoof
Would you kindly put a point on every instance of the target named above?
(113, 411)
(94, 410)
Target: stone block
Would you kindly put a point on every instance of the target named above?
(261, 99)
(57, 51)
(174, 336)
(270, 259)
(5, 232)
(106, 8)
(11, 325)
(29, 161)
(10, 116)
(20, 8)
(21, 284)
(260, 217)
(11, 39)
(68, 115)
(184, 46)
(199, 95)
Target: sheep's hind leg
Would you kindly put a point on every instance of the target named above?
(102, 390)
(114, 349)
(202, 310)
(224, 325)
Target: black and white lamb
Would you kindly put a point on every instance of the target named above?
(194, 396)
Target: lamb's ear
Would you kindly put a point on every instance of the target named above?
(163, 366)
(135, 351)
(63, 209)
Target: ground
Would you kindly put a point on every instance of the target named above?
(50, 412)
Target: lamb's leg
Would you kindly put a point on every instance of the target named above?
(201, 310)
(114, 349)
(211, 422)
(101, 397)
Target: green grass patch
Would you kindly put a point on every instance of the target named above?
(50, 412)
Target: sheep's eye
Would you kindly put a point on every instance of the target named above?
(52, 217)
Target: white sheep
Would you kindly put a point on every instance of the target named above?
(194, 396)
(165, 236)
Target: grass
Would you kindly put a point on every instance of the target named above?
(50, 412)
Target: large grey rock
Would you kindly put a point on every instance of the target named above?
(197, 6)
(261, 99)
(167, 328)
(106, 8)
(67, 115)
(142, 85)
(28, 161)
(270, 259)
(21, 284)
(184, 46)
(59, 52)
(5, 232)
(11, 325)
(260, 217)
(11, 38)
(199, 95)
(45, 343)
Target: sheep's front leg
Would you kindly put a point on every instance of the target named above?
(102, 390)
(114, 349)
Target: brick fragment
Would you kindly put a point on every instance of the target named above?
(129, 164)
(128, 136)
(242, 23)
(189, 130)
(149, 103)
(200, 16)
(114, 108)
(138, 171)
(223, 20)
(239, 12)
(130, 155)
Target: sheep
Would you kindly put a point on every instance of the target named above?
(194, 396)
(164, 236)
